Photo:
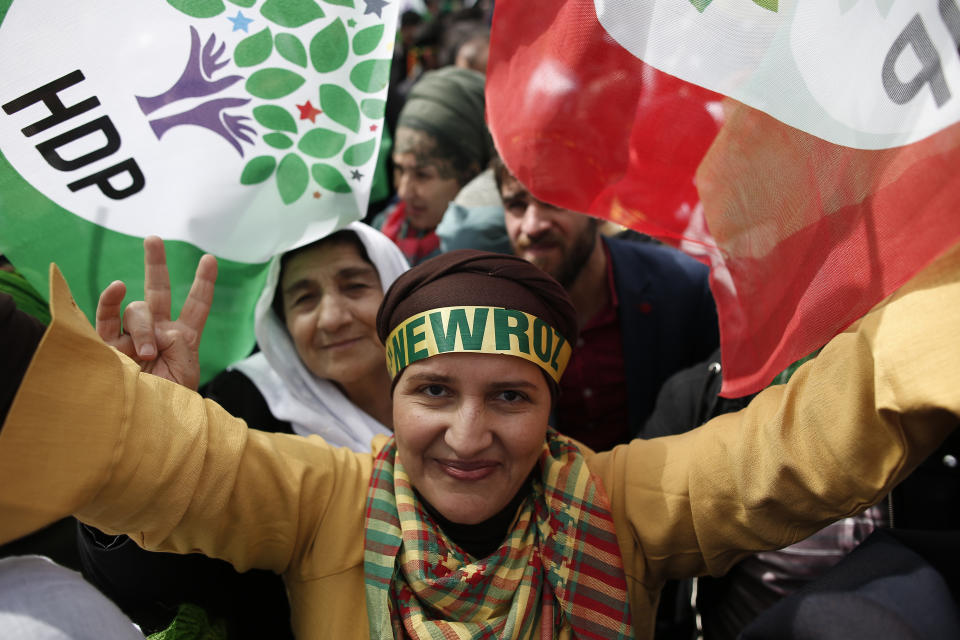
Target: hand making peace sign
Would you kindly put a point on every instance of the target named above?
(164, 347)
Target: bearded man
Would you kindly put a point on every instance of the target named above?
(645, 310)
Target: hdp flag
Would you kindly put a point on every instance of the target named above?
(808, 150)
(241, 129)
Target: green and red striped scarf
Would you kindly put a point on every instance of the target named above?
(557, 574)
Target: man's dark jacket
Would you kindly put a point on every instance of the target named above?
(668, 319)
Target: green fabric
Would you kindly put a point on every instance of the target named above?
(25, 297)
(380, 190)
(784, 376)
(449, 105)
(192, 623)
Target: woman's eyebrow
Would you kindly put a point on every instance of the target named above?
(296, 285)
(354, 272)
(503, 385)
(427, 376)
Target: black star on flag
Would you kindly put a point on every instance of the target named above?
(375, 6)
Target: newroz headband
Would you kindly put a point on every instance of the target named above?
(477, 330)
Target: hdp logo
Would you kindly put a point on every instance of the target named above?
(165, 121)
(281, 57)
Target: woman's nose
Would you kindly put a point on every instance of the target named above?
(469, 434)
(332, 314)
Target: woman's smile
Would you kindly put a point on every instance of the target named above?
(467, 470)
(346, 343)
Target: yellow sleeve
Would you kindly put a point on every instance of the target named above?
(848, 427)
(132, 453)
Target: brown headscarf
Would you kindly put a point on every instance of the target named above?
(467, 277)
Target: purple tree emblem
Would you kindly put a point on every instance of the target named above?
(197, 81)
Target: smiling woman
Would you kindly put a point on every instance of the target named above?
(320, 366)
(475, 519)
(327, 297)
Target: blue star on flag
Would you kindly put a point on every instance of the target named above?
(375, 6)
(240, 22)
(356, 175)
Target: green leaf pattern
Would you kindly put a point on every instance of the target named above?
(373, 108)
(278, 140)
(367, 40)
(329, 48)
(292, 178)
(342, 115)
(198, 8)
(340, 106)
(371, 76)
(322, 143)
(290, 47)
(329, 178)
(254, 49)
(273, 117)
(291, 13)
(359, 154)
(258, 170)
(274, 83)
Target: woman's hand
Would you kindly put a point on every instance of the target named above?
(161, 346)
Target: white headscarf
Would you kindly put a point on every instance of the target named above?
(313, 405)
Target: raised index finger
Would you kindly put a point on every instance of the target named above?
(109, 310)
(156, 278)
(196, 307)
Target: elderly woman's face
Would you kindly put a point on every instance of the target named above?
(470, 428)
(330, 301)
(425, 182)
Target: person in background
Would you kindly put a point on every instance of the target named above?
(442, 142)
(645, 310)
(474, 220)
(319, 371)
(466, 40)
(473, 53)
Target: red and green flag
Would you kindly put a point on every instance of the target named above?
(808, 151)
(240, 128)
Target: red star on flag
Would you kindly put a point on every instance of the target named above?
(308, 111)
(317, 194)
(373, 127)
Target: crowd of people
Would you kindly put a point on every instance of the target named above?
(473, 415)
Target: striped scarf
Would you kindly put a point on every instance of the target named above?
(561, 550)
(416, 245)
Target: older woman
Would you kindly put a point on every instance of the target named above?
(320, 365)
(319, 371)
(475, 520)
